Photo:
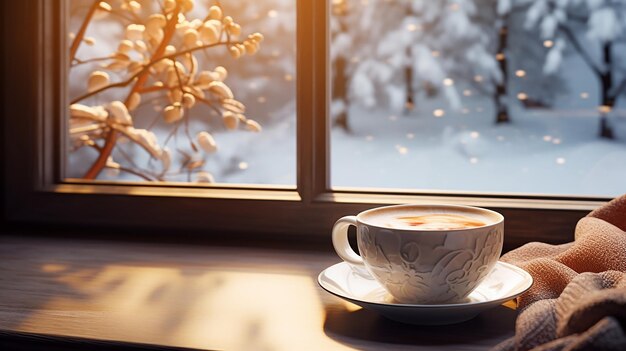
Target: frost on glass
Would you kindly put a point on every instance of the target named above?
(511, 96)
(182, 90)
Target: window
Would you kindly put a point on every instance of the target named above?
(219, 108)
(502, 96)
(38, 189)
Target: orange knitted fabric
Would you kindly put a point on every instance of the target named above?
(578, 299)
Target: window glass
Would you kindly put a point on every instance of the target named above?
(503, 96)
(183, 91)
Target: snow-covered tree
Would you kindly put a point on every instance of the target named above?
(396, 50)
(520, 54)
(593, 29)
(356, 29)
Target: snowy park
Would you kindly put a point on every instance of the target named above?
(494, 96)
(504, 96)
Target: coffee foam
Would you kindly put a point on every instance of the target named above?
(440, 217)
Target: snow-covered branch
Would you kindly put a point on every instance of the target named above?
(580, 49)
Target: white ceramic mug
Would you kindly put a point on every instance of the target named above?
(424, 266)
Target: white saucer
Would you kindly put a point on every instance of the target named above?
(502, 284)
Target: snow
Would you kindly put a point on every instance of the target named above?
(548, 26)
(426, 67)
(341, 46)
(267, 158)
(504, 7)
(534, 13)
(543, 153)
(595, 4)
(362, 87)
(604, 25)
(554, 57)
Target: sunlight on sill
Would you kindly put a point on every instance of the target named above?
(248, 192)
(198, 308)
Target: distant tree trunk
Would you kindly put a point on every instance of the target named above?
(500, 91)
(340, 92)
(340, 81)
(409, 103)
(430, 89)
(607, 99)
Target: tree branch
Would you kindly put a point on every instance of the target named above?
(153, 89)
(618, 90)
(122, 15)
(182, 91)
(83, 28)
(133, 172)
(180, 81)
(94, 59)
(207, 102)
(171, 134)
(146, 67)
(133, 164)
(86, 129)
(584, 54)
(142, 76)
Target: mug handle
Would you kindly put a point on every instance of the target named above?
(340, 241)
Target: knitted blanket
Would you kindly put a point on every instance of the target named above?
(578, 299)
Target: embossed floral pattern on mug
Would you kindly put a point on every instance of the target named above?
(451, 264)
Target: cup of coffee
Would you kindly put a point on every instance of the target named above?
(424, 254)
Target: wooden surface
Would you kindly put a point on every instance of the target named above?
(75, 291)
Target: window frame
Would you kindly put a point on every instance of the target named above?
(35, 191)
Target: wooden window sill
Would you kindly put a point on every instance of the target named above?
(76, 294)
